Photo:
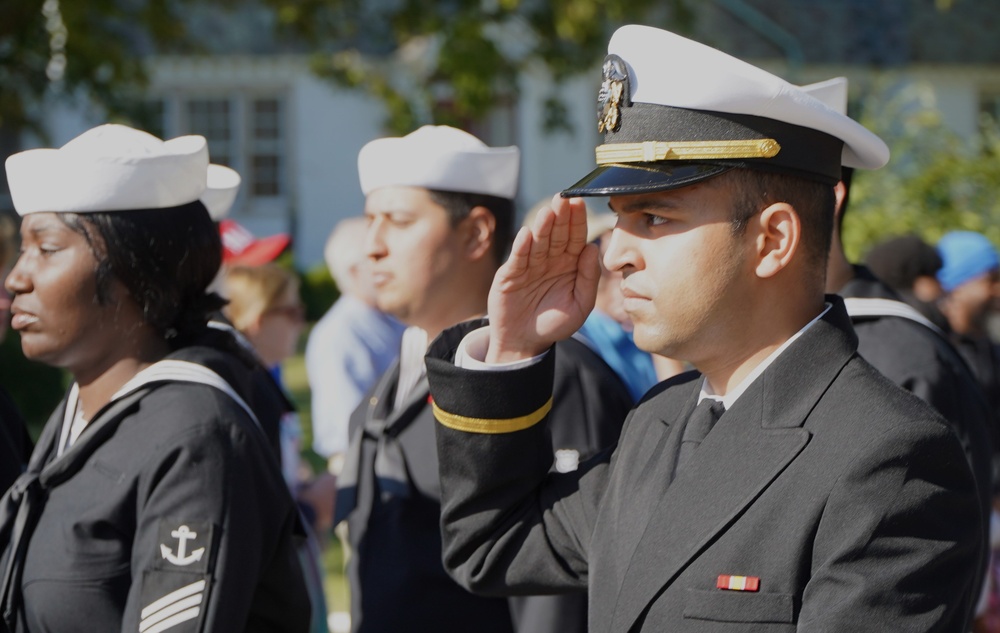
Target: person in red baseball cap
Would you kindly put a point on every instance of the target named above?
(241, 248)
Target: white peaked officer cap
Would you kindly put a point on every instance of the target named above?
(675, 112)
(220, 192)
(439, 157)
(109, 168)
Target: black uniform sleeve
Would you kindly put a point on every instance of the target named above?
(509, 527)
(213, 549)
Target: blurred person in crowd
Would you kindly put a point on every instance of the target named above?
(151, 499)
(901, 342)
(440, 211)
(268, 345)
(788, 486)
(240, 247)
(909, 266)
(351, 345)
(265, 308)
(970, 278)
(15, 443)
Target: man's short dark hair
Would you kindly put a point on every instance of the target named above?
(812, 200)
(900, 261)
(458, 205)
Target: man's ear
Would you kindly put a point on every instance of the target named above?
(779, 238)
(839, 194)
(479, 229)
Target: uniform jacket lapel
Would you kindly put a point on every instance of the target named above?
(378, 420)
(649, 450)
(371, 413)
(384, 395)
(380, 404)
(749, 447)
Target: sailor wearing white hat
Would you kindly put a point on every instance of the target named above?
(784, 486)
(150, 502)
(439, 203)
(222, 184)
(906, 345)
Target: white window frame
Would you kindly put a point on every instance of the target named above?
(248, 205)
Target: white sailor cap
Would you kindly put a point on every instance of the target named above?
(439, 157)
(675, 112)
(220, 192)
(109, 168)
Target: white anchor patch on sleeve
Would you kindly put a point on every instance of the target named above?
(182, 558)
(184, 544)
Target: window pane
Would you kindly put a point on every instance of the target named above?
(266, 119)
(211, 119)
(266, 176)
(266, 147)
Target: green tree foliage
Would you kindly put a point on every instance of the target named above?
(935, 182)
(90, 51)
(452, 61)
(35, 388)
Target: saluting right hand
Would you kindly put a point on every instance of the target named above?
(547, 287)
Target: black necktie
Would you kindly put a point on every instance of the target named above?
(698, 425)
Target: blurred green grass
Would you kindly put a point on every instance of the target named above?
(293, 373)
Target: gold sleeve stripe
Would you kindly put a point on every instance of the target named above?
(488, 426)
(650, 151)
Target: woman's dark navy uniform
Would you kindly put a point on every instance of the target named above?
(152, 501)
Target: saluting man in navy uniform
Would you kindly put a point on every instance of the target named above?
(440, 208)
(784, 486)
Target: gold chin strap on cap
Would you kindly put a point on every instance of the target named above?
(650, 151)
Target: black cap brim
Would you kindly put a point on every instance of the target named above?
(620, 179)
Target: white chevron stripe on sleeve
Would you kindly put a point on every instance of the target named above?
(172, 597)
(170, 610)
(174, 620)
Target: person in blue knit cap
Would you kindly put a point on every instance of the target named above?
(970, 277)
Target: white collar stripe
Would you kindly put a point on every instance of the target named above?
(68, 416)
(168, 612)
(183, 371)
(860, 307)
(164, 370)
(170, 598)
(173, 621)
(411, 364)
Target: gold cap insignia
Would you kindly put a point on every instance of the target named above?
(614, 94)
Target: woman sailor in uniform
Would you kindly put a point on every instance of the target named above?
(152, 502)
